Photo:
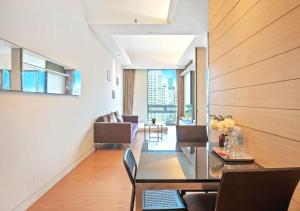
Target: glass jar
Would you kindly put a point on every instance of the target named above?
(238, 132)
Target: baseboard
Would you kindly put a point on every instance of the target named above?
(42, 190)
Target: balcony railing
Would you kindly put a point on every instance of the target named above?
(163, 113)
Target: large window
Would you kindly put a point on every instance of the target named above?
(188, 96)
(162, 96)
(6, 79)
(33, 81)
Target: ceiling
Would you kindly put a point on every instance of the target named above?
(149, 34)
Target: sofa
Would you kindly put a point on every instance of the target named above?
(115, 132)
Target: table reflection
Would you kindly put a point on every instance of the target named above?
(194, 163)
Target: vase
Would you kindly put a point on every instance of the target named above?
(222, 140)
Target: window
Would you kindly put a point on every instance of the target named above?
(6, 79)
(77, 83)
(188, 96)
(162, 96)
(33, 81)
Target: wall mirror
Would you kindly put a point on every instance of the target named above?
(26, 71)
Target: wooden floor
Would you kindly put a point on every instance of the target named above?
(100, 182)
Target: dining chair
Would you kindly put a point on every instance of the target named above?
(191, 133)
(259, 190)
(153, 200)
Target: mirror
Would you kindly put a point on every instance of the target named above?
(26, 71)
(9, 66)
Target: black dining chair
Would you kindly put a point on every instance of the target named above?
(153, 200)
(250, 190)
(191, 134)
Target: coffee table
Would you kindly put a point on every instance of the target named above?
(158, 129)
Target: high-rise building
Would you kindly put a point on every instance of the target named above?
(170, 83)
(162, 96)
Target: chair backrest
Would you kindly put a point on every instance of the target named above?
(259, 190)
(130, 165)
(191, 133)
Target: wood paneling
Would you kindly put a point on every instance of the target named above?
(261, 46)
(283, 95)
(226, 7)
(214, 6)
(294, 205)
(276, 121)
(282, 67)
(241, 9)
(260, 16)
(297, 192)
(254, 51)
(272, 151)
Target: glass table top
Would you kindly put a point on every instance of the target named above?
(153, 124)
(184, 164)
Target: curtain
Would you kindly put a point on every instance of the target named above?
(180, 94)
(128, 77)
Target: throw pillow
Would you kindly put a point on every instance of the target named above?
(119, 117)
(112, 118)
(105, 119)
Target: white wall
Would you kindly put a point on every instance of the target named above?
(42, 135)
(140, 100)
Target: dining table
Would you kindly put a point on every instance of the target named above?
(182, 167)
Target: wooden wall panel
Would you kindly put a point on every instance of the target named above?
(279, 122)
(241, 9)
(262, 14)
(272, 151)
(294, 205)
(261, 46)
(254, 63)
(278, 68)
(284, 95)
(226, 7)
(214, 6)
(297, 193)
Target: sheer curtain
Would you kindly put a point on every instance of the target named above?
(128, 89)
(180, 94)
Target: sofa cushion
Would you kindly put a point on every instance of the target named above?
(119, 117)
(104, 118)
(100, 119)
(112, 118)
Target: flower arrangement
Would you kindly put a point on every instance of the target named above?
(223, 124)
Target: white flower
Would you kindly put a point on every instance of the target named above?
(230, 122)
(223, 124)
(214, 124)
